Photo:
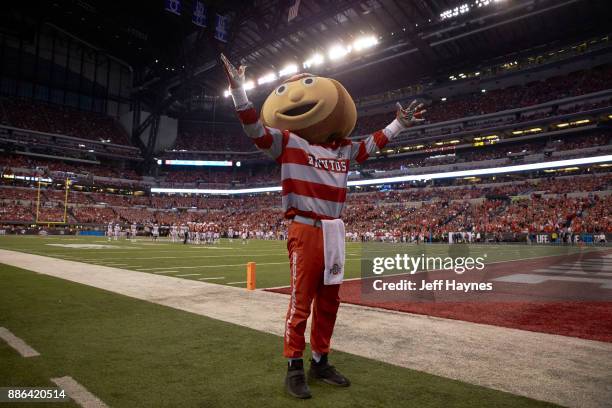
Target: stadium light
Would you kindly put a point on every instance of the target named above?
(266, 78)
(454, 12)
(226, 93)
(288, 70)
(365, 42)
(249, 85)
(401, 179)
(316, 59)
(482, 3)
(338, 51)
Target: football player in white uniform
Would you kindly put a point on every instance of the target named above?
(134, 231)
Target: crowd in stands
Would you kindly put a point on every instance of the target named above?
(211, 176)
(42, 117)
(203, 137)
(452, 155)
(269, 174)
(574, 203)
(574, 84)
(44, 167)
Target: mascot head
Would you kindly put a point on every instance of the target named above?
(317, 109)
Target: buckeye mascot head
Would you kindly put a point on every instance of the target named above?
(315, 108)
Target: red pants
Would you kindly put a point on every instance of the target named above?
(307, 263)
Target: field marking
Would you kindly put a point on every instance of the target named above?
(218, 266)
(235, 283)
(191, 274)
(208, 266)
(213, 278)
(78, 393)
(166, 272)
(18, 344)
(209, 256)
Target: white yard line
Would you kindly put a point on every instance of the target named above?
(220, 266)
(209, 266)
(213, 278)
(564, 370)
(190, 274)
(18, 344)
(235, 283)
(78, 393)
(166, 272)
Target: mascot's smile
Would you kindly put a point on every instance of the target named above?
(299, 110)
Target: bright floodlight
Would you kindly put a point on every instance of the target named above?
(266, 78)
(226, 93)
(288, 70)
(454, 12)
(316, 59)
(249, 85)
(365, 42)
(338, 51)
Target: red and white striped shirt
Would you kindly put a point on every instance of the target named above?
(313, 176)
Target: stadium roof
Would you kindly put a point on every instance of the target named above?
(415, 37)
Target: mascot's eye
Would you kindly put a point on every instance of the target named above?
(281, 90)
(308, 81)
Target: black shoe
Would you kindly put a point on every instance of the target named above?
(327, 373)
(295, 381)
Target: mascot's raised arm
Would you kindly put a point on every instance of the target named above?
(304, 126)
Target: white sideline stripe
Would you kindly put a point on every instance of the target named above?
(235, 283)
(78, 393)
(190, 274)
(18, 344)
(166, 272)
(216, 277)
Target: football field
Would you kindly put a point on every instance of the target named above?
(225, 263)
(130, 348)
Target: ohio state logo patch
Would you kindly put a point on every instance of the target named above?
(335, 270)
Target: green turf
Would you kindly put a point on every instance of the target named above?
(132, 353)
(228, 260)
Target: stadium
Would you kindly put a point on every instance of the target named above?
(381, 203)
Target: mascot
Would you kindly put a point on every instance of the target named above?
(304, 126)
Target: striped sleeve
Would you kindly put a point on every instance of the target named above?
(269, 140)
(361, 151)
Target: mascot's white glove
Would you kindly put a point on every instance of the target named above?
(236, 81)
(406, 117)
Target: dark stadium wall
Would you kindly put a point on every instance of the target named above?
(166, 137)
(57, 67)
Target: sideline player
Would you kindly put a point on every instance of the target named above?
(117, 231)
(134, 231)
